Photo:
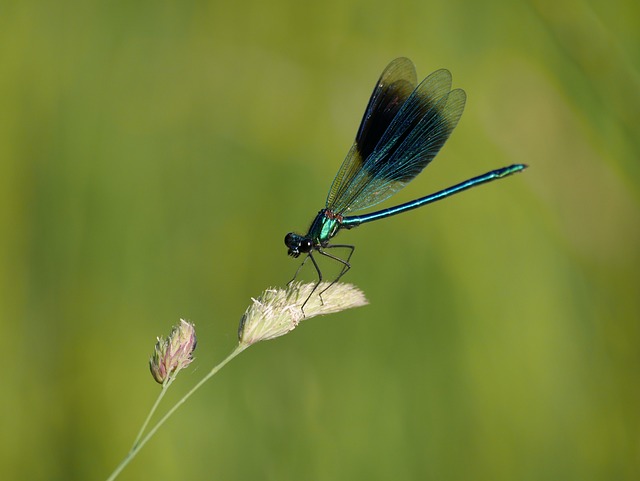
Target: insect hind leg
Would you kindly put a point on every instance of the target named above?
(345, 268)
(345, 263)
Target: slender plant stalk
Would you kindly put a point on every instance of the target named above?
(139, 444)
(165, 387)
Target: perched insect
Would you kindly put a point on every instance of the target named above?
(403, 128)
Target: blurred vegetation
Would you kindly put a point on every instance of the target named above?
(154, 154)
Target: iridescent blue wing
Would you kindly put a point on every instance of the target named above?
(391, 91)
(411, 139)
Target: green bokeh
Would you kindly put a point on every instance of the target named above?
(152, 157)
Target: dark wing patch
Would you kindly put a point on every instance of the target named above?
(394, 87)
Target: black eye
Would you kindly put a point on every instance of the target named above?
(306, 245)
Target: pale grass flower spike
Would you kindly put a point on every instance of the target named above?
(278, 311)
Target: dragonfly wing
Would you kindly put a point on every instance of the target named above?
(393, 88)
(412, 139)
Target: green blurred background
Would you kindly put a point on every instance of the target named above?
(154, 154)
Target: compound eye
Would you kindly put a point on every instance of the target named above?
(306, 245)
